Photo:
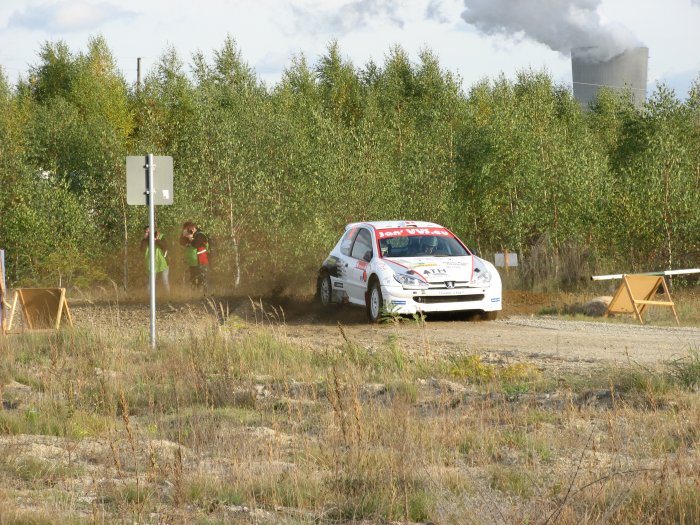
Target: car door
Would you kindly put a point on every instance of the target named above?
(339, 262)
(361, 254)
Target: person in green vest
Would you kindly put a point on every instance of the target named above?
(196, 244)
(161, 268)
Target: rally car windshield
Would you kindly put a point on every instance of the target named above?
(421, 246)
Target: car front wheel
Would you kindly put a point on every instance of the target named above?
(375, 302)
(324, 289)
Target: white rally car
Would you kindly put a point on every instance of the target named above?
(405, 268)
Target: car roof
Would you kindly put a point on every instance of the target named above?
(383, 225)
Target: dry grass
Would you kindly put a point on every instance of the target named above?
(233, 422)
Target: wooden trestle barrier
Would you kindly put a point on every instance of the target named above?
(43, 308)
(636, 294)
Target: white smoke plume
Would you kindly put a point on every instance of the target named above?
(559, 24)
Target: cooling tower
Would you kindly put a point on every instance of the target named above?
(627, 70)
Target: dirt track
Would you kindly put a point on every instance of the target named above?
(546, 341)
(519, 335)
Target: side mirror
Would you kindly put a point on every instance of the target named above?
(368, 256)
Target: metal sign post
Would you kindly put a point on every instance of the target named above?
(158, 189)
(152, 244)
(2, 292)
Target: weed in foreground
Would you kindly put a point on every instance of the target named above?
(686, 370)
(35, 470)
(205, 491)
(512, 480)
(471, 368)
(52, 418)
(39, 517)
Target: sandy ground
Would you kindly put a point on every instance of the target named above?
(520, 334)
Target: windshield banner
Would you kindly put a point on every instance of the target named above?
(410, 232)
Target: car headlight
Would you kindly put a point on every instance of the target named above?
(408, 281)
(482, 277)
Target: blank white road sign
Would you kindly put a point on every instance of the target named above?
(137, 180)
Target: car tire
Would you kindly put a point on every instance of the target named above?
(489, 316)
(324, 290)
(375, 302)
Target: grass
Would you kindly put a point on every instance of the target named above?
(29, 469)
(686, 370)
(234, 422)
(41, 517)
(512, 481)
(52, 419)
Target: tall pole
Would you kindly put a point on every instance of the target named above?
(2, 292)
(138, 74)
(152, 244)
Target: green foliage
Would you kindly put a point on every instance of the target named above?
(50, 236)
(274, 173)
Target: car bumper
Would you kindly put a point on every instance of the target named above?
(401, 301)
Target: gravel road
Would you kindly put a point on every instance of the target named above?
(549, 342)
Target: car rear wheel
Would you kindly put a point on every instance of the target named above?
(375, 302)
(325, 289)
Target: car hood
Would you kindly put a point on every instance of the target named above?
(436, 269)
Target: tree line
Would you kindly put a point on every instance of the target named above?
(273, 173)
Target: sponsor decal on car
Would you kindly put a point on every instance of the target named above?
(495, 299)
(435, 271)
(408, 270)
(406, 232)
(338, 284)
(398, 302)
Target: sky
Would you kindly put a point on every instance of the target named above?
(474, 39)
